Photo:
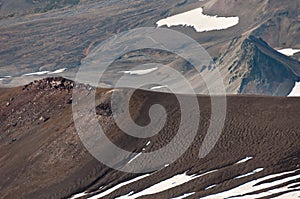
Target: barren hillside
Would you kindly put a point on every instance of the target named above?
(42, 155)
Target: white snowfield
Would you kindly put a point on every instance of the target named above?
(140, 72)
(210, 187)
(157, 87)
(244, 191)
(199, 21)
(148, 143)
(5, 77)
(135, 157)
(246, 159)
(167, 184)
(46, 72)
(118, 186)
(249, 174)
(58, 71)
(288, 51)
(79, 195)
(296, 91)
(37, 73)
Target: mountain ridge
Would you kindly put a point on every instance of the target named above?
(53, 162)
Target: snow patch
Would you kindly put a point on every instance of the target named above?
(135, 157)
(210, 187)
(79, 195)
(184, 196)
(199, 21)
(157, 87)
(140, 72)
(244, 160)
(46, 72)
(249, 174)
(37, 73)
(1, 78)
(58, 71)
(296, 91)
(243, 191)
(167, 184)
(288, 51)
(118, 186)
(289, 195)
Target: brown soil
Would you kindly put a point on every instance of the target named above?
(41, 155)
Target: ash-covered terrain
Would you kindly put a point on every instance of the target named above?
(42, 156)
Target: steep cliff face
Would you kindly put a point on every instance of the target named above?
(253, 67)
(266, 74)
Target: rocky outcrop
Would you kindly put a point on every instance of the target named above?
(266, 74)
(253, 67)
(58, 83)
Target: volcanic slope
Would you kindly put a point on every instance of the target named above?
(257, 155)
